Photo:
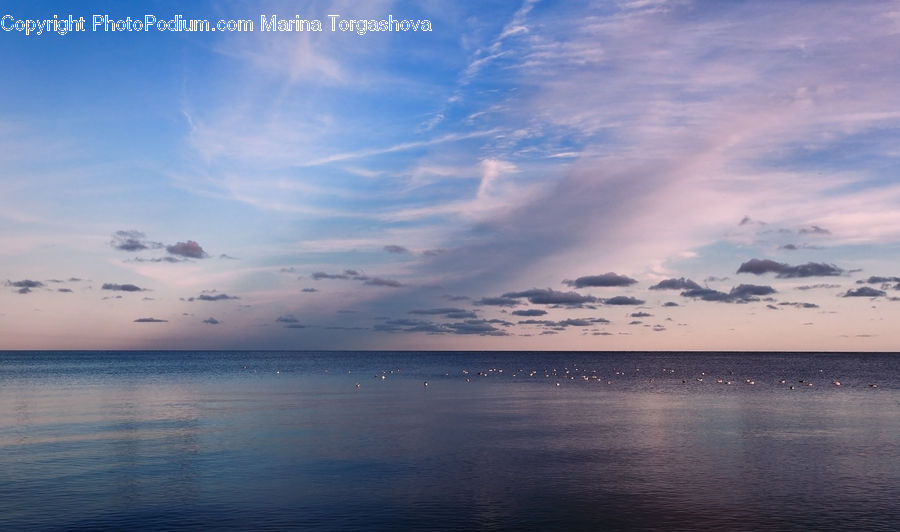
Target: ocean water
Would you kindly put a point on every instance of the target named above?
(494, 441)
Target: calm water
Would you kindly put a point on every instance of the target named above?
(541, 441)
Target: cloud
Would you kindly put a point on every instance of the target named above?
(739, 294)
(149, 320)
(287, 318)
(318, 276)
(864, 291)
(818, 286)
(671, 304)
(569, 322)
(810, 269)
(623, 300)
(295, 326)
(606, 279)
(212, 321)
(396, 249)
(122, 287)
(676, 284)
(798, 305)
(814, 230)
(877, 279)
(378, 281)
(64, 290)
(452, 313)
(189, 249)
(749, 291)
(24, 286)
(467, 327)
(309, 290)
(210, 297)
(357, 276)
(158, 259)
(132, 241)
(480, 327)
(641, 315)
(498, 301)
(548, 296)
(529, 312)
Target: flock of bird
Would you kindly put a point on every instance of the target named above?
(560, 376)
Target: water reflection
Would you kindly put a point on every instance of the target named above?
(230, 448)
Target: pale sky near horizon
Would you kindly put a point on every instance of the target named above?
(635, 174)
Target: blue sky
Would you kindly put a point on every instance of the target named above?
(526, 175)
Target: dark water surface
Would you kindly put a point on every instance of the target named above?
(512, 440)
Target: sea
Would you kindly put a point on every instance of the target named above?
(224, 440)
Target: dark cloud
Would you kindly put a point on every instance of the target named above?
(479, 327)
(189, 249)
(810, 269)
(378, 281)
(676, 284)
(64, 290)
(571, 322)
(671, 304)
(529, 312)
(149, 320)
(865, 291)
(132, 241)
(739, 294)
(789, 247)
(641, 315)
(606, 279)
(24, 286)
(875, 279)
(287, 318)
(433, 252)
(295, 326)
(357, 276)
(396, 249)
(623, 300)
(122, 287)
(452, 313)
(575, 322)
(749, 291)
(885, 282)
(707, 294)
(798, 305)
(211, 321)
(26, 283)
(318, 276)
(216, 297)
(814, 230)
(817, 286)
(227, 257)
(309, 290)
(159, 259)
(547, 296)
(498, 301)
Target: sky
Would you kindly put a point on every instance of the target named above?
(541, 175)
